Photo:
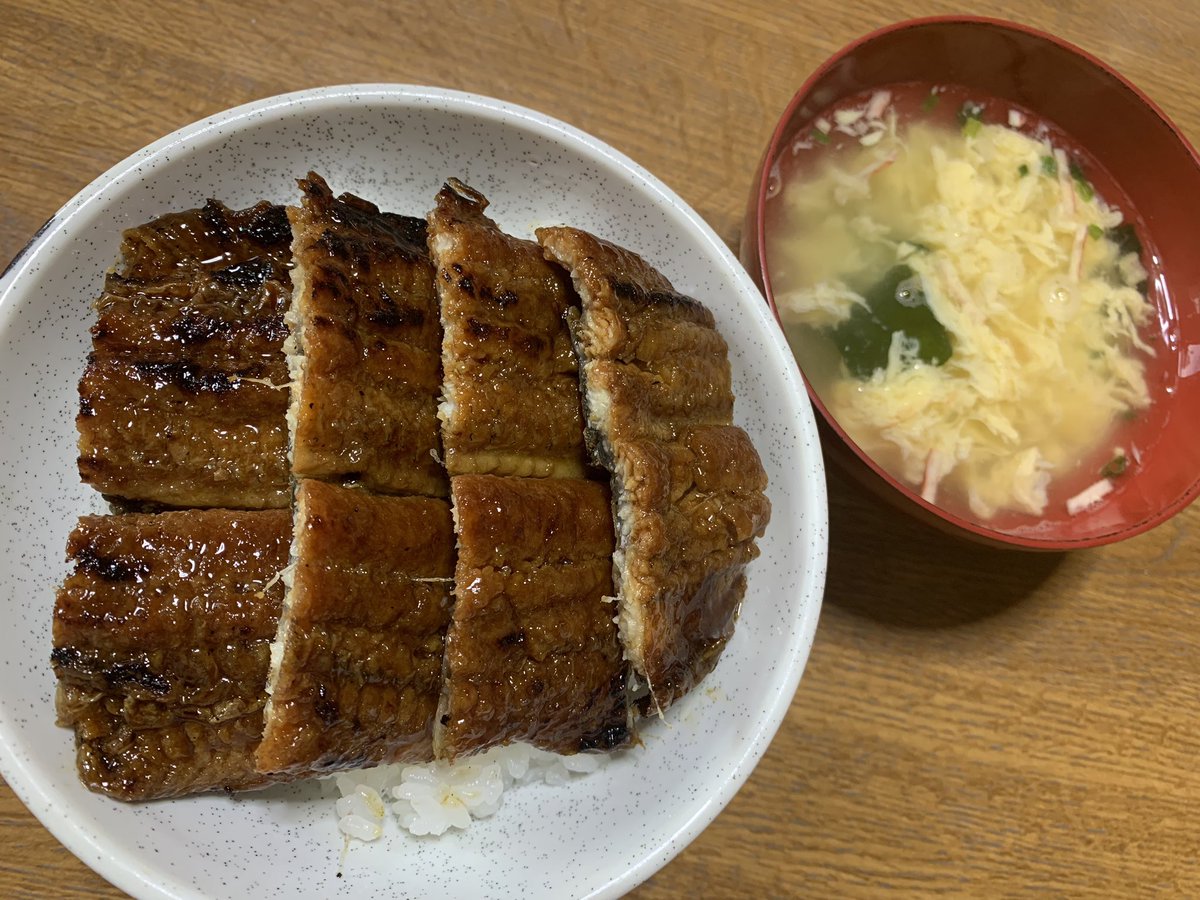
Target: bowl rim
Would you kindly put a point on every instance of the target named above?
(925, 510)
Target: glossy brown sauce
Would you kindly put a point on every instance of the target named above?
(184, 398)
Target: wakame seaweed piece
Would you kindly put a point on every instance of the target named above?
(863, 342)
(1126, 239)
(1115, 467)
(895, 303)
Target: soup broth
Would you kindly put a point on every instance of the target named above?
(968, 297)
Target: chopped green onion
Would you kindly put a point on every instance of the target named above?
(1049, 166)
(971, 128)
(968, 111)
(1115, 467)
(1095, 232)
(1022, 170)
(930, 101)
(821, 137)
(1086, 191)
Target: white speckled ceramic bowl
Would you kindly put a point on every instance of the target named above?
(600, 835)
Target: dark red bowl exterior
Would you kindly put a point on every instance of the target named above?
(1155, 165)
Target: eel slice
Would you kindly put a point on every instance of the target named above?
(511, 395)
(532, 652)
(183, 400)
(365, 347)
(211, 238)
(177, 434)
(688, 486)
(161, 646)
(357, 660)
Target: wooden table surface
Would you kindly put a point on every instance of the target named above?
(971, 722)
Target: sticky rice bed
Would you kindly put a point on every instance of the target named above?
(430, 799)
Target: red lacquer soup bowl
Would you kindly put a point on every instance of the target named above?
(1144, 159)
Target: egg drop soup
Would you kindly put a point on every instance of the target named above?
(967, 294)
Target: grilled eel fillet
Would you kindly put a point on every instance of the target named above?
(161, 639)
(532, 652)
(365, 348)
(511, 394)
(688, 486)
(360, 642)
(180, 403)
(356, 663)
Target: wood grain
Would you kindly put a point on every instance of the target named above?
(971, 722)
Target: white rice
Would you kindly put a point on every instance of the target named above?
(433, 798)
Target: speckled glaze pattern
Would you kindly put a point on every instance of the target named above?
(395, 145)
